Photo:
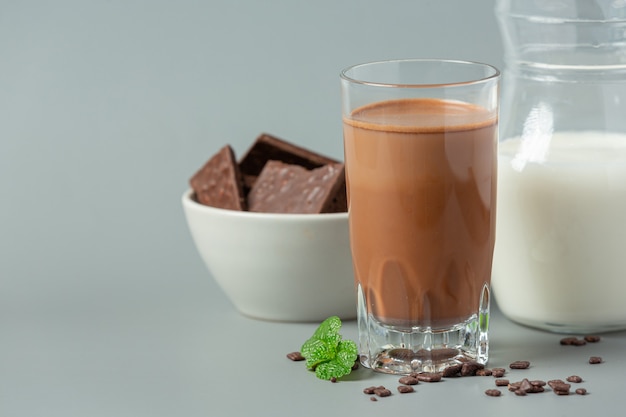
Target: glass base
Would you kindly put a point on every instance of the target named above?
(394, 350)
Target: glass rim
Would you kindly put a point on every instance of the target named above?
(495, 73)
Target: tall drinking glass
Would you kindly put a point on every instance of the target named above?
(420, 140)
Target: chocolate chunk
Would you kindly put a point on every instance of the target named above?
(566, 341)
(470, 368)
(594, 360)
(592, 338)
(218, 182)
(513, 386)
(295, 356)
(382, 392)
(498, 372)
(267, 147)
(452, 371)
(493, 392)
(270, 148)
(531, 387)
(525, 385)
(561, 389)
(408, 380)
(285, 188)
(405, 389)
(369, 390)
(553, 382)
(429, 377)
(519, 365)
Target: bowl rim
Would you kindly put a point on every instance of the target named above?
(190, 203)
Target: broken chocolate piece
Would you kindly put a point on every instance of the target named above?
(270, 148)
(286, 188)
(218, 183)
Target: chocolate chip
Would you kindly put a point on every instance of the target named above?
(429, 377)
(574, 341)
(561, 389)
(574, 378)
(295, 356)
(525, 385)
(405, 389)
(371, 390)
(519, 365)
(408, 380)
(373, 399)
(530, 387)
(592, 338)
(493, 392)
(566, 341)
(498, 372)
(382, 392)
(502, 382)
(452, 371)
(520, 392)
(470, 368)
(484, 372)
(595, 360)
(553, 382)
(513, 386)
(581, 391)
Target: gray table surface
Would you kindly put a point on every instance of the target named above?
(168, 356)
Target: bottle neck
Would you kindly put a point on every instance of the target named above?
(564, 35)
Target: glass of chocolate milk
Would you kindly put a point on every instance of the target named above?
(420, 141)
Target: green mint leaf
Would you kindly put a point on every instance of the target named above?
(328, 370)
(329, 328)
(327, 353)
(347, 353)
(316, 351)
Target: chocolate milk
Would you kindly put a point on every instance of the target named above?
(421, 178)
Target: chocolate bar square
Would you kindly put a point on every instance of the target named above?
(218, 183)
(267, 147)
(287, 188)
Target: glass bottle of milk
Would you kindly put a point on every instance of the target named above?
(560, 256)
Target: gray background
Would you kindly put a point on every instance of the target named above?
(106, 109)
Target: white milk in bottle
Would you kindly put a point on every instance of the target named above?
(560, 257)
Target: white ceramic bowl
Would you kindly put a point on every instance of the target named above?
(284, 267)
